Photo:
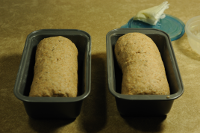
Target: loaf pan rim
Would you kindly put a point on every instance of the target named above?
(53, 99)
(111, 73)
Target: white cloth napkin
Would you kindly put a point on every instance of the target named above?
(152, 15)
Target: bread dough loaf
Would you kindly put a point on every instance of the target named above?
(142, 66)
(55, 70)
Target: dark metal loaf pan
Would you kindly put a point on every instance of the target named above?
(54, 107)
(145, 105)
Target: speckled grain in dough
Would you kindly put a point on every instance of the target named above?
(55, 70)
(142, 66)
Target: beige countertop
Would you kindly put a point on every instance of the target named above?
(99, 113)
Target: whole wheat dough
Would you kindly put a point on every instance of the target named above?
(142, 66)
(55, 70)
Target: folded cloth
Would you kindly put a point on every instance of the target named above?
(152, 15)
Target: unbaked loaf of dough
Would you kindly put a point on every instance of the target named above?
(142, 66)
(56, 68)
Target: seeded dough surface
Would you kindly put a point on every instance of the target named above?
(55, 70)
(142, 67)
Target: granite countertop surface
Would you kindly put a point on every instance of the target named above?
(99, 111)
